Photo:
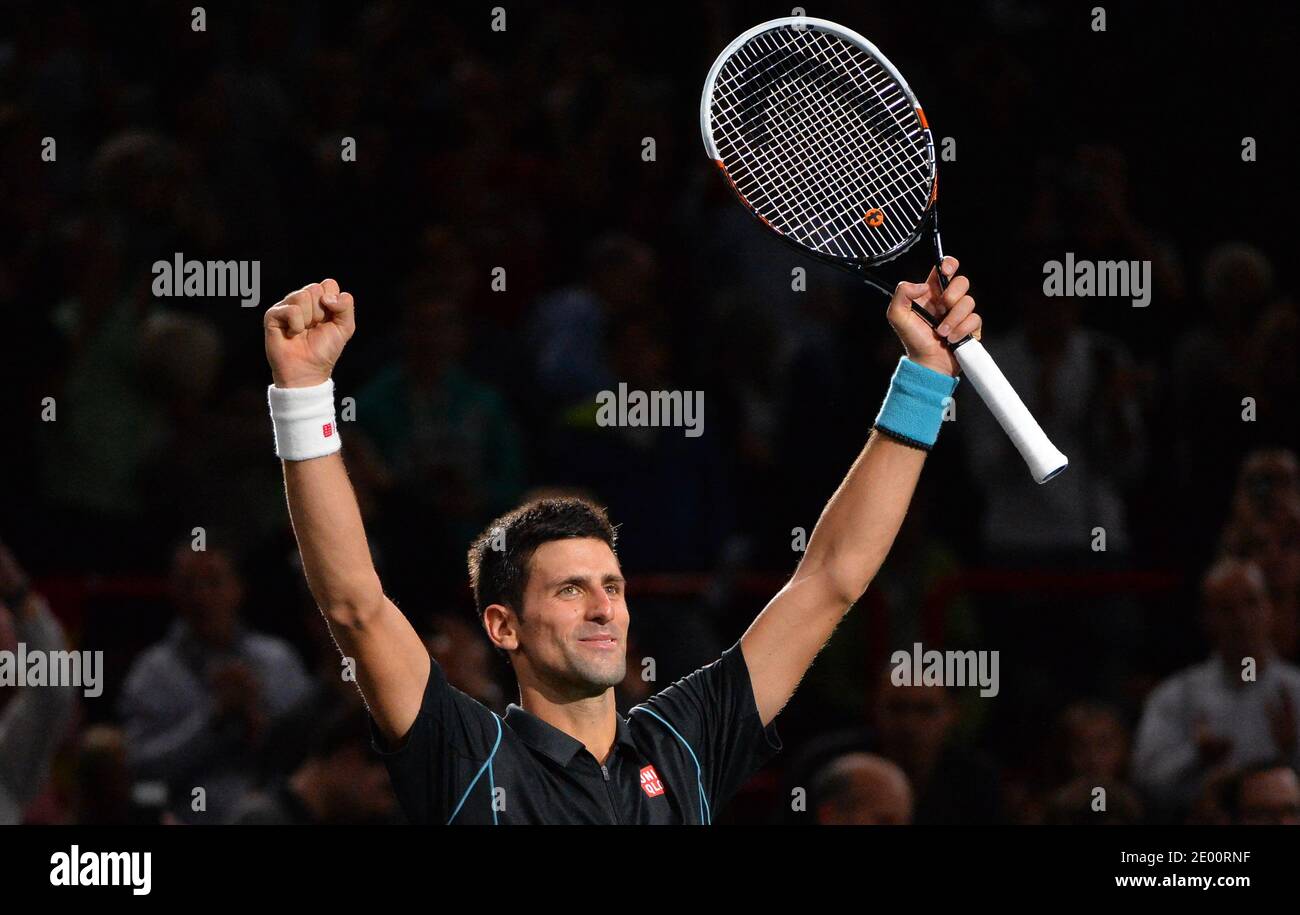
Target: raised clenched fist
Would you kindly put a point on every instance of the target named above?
(306, 332)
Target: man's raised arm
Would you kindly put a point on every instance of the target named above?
(305, 333)
(858, 525)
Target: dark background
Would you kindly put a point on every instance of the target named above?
(522, 149)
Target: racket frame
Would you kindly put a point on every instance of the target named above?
(855, 265)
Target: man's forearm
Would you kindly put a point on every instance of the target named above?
(331, 539)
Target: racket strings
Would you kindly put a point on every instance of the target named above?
(827, 146)
(766, 162)
(816, 134)
(858, 129)
(871, 166)
(832, 85)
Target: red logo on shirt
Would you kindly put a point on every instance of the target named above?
(650, 782)
(328, 429)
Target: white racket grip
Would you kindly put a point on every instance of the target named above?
(1044, 460)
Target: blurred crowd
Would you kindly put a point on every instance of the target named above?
(514, 251)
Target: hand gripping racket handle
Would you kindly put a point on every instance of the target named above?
(1043, 458)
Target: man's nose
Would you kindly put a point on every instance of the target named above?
(601, 608)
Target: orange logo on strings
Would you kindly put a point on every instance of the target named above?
(874, 217)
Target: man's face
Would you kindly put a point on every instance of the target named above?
(1097, 747)
(1271, 798)
(1238, 613)
(1274, 543)
(208, 592)
(572, 638)
(914, 723)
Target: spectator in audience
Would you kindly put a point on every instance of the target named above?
(1265, 528)
(1093, 745)
(1273, 379)
(1088, 749)
(1210, 354)
(1207, 809)
(32, 718)
(953, 785)
(1210, 373)
(1082, 387)
(1236, 707)
(196, 706)
(571, 326)
(465, 653)
(1096, 743)
(443, 443)
(341, 782)
(1264, 794)
(101, 779)
(669, 482)
(861, 789)
(1269, 479)
(143, 205)
(1085, 803)
(183, 473)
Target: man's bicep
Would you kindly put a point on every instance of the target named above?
(392, 668)
(783, 641)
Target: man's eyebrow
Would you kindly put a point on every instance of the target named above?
(609, 578)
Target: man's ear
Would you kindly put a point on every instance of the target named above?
(502, 626)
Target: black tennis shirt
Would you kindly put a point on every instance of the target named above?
(677, 757)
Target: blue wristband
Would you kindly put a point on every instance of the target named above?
(913, 408)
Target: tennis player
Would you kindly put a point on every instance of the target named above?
(550, 594)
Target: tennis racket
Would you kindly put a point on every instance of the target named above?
(822, 139)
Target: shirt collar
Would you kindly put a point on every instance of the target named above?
(551, 741)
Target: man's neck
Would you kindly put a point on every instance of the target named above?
(592, 721)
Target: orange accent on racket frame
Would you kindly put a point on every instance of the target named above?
(718, 162)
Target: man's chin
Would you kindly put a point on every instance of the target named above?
(600, 677)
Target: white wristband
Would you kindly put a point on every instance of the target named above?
(303, 419)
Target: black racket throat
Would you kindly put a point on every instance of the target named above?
(936, 241)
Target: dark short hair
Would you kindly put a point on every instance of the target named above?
(499, 576)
